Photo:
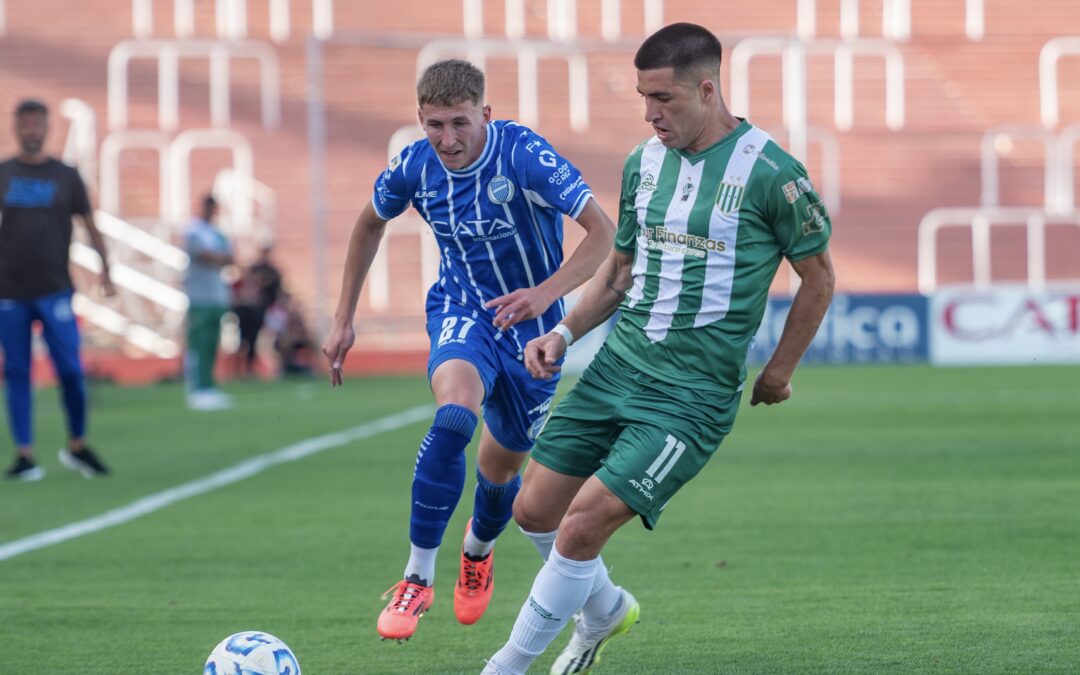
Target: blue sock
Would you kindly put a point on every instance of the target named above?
(439, 478)
(493, 506)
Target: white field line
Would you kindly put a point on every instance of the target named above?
(219, 479)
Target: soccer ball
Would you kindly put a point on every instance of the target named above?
(251, 652)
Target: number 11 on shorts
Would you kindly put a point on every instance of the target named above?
(666, 460)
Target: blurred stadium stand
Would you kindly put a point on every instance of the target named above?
(900, 108)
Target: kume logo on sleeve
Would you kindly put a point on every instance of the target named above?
(500, 190)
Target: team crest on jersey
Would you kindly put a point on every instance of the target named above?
(729, 197)
(500, 190)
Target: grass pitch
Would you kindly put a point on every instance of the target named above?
(884, 520)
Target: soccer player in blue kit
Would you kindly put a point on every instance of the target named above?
(494, 194)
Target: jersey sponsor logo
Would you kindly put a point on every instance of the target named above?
(571, 187)
(425, 194)
(559, 176)
(648, 183)
(533, 145)
(547, 158)
(478, 229)
(815, 219)
(30, 193)
(500, 190)
(394, 163)
(729, 197)
(804, 185)
(660, 238)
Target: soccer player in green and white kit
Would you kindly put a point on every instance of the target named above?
(710, 206)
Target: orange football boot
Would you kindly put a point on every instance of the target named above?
(410, 601)
(476, 581)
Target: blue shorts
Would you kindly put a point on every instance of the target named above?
(515, 404)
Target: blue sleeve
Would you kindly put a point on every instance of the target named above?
(546, 174)
(392, 191)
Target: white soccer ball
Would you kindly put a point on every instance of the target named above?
(251, 652)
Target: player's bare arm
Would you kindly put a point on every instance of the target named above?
(98, 242)
(773, 384)
(363, 245)
(602, 297)
(524, 304)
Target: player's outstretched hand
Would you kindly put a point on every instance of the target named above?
(520, 305)
(769, 389)
(337, 345)
(541, 354)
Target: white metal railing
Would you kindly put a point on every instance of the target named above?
(527, 53)
(240, 191)
(141, 241)
(562, 18)
(186, 142)
(231, 18)
(129, 139)
(168, 53)
(1057, 164)
(895, 19)
(153, 309)
(980, 221)
(1049, 55)
(793, 53)
(80, 146)
(240, 194)
(114, 322)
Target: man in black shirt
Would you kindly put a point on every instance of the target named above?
(38, 197)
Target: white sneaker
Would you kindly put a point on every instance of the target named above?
(587, 642)
(208, 400)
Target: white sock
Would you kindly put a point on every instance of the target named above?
(543, 541)
(560, 589)
(477, 548)
(604, 595)
(422, 563)
(603, 598)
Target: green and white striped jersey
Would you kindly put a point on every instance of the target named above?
(707, 233)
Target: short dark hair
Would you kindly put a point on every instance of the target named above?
(209, 202)
(31, 105)
(683, 47)
(449, 82)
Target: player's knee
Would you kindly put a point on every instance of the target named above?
(578, 537)
(531, 518)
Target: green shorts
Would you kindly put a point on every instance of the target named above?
(643, 438)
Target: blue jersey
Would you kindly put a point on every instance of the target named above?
(498, 221)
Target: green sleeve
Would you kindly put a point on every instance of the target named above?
(798, 217)
(627, 228)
